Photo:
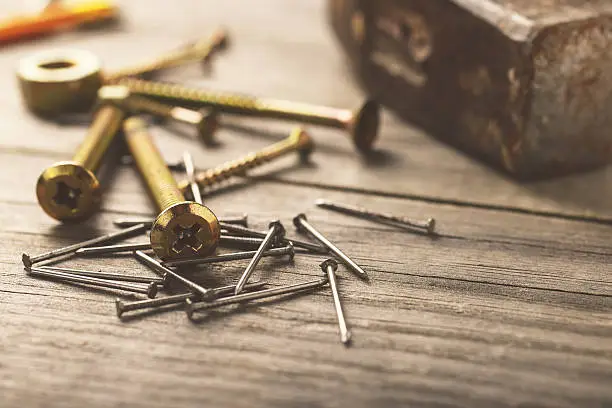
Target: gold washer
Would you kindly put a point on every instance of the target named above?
(60, 81)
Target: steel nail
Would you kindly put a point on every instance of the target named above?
(288, 250)
(108, 275)
(204, 293)
(329, 267)
(239, 242)
(111, 249)
(247, 232)
(127, 222)
(143, 246)
(276, 231)
(28, 261)
(194, 188)
(302, 224)
(123, 307)
(385, 218)
(150, 290)
(192, 306)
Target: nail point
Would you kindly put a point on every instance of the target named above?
(119, 307)
(346, 338)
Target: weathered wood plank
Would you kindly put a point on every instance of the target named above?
(459, 320)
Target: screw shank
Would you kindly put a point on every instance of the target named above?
(304, 112)
(245, 105)
(161, 184)
(202, 50)
(283, 290)
(140, 104)
(100, 135)
(240, 166)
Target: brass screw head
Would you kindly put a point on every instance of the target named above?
(364, 125)
(183, 230)
(207, 126)
(303, 142)
(68, 191)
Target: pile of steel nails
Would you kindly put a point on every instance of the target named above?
(235, 233)
(185, 233)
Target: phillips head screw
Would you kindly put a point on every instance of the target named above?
(183, 229)
(69, 190)
(361, 124)
(298, 141)
(204, 121)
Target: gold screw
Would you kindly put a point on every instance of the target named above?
(201, 50)
(69, 190)
(361, 124)
(298, 141)
(204, 121)
(183, 228)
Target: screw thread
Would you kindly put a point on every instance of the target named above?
(153, 168)
(298, 139)
(239, 104)
(180, 93)
(200, 50)
(100, 135)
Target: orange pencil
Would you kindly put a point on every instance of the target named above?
(55, 17)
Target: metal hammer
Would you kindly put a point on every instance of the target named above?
(524, 85)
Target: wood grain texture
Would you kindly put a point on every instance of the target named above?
(504, 308)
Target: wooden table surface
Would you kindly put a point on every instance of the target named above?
(510, 306)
